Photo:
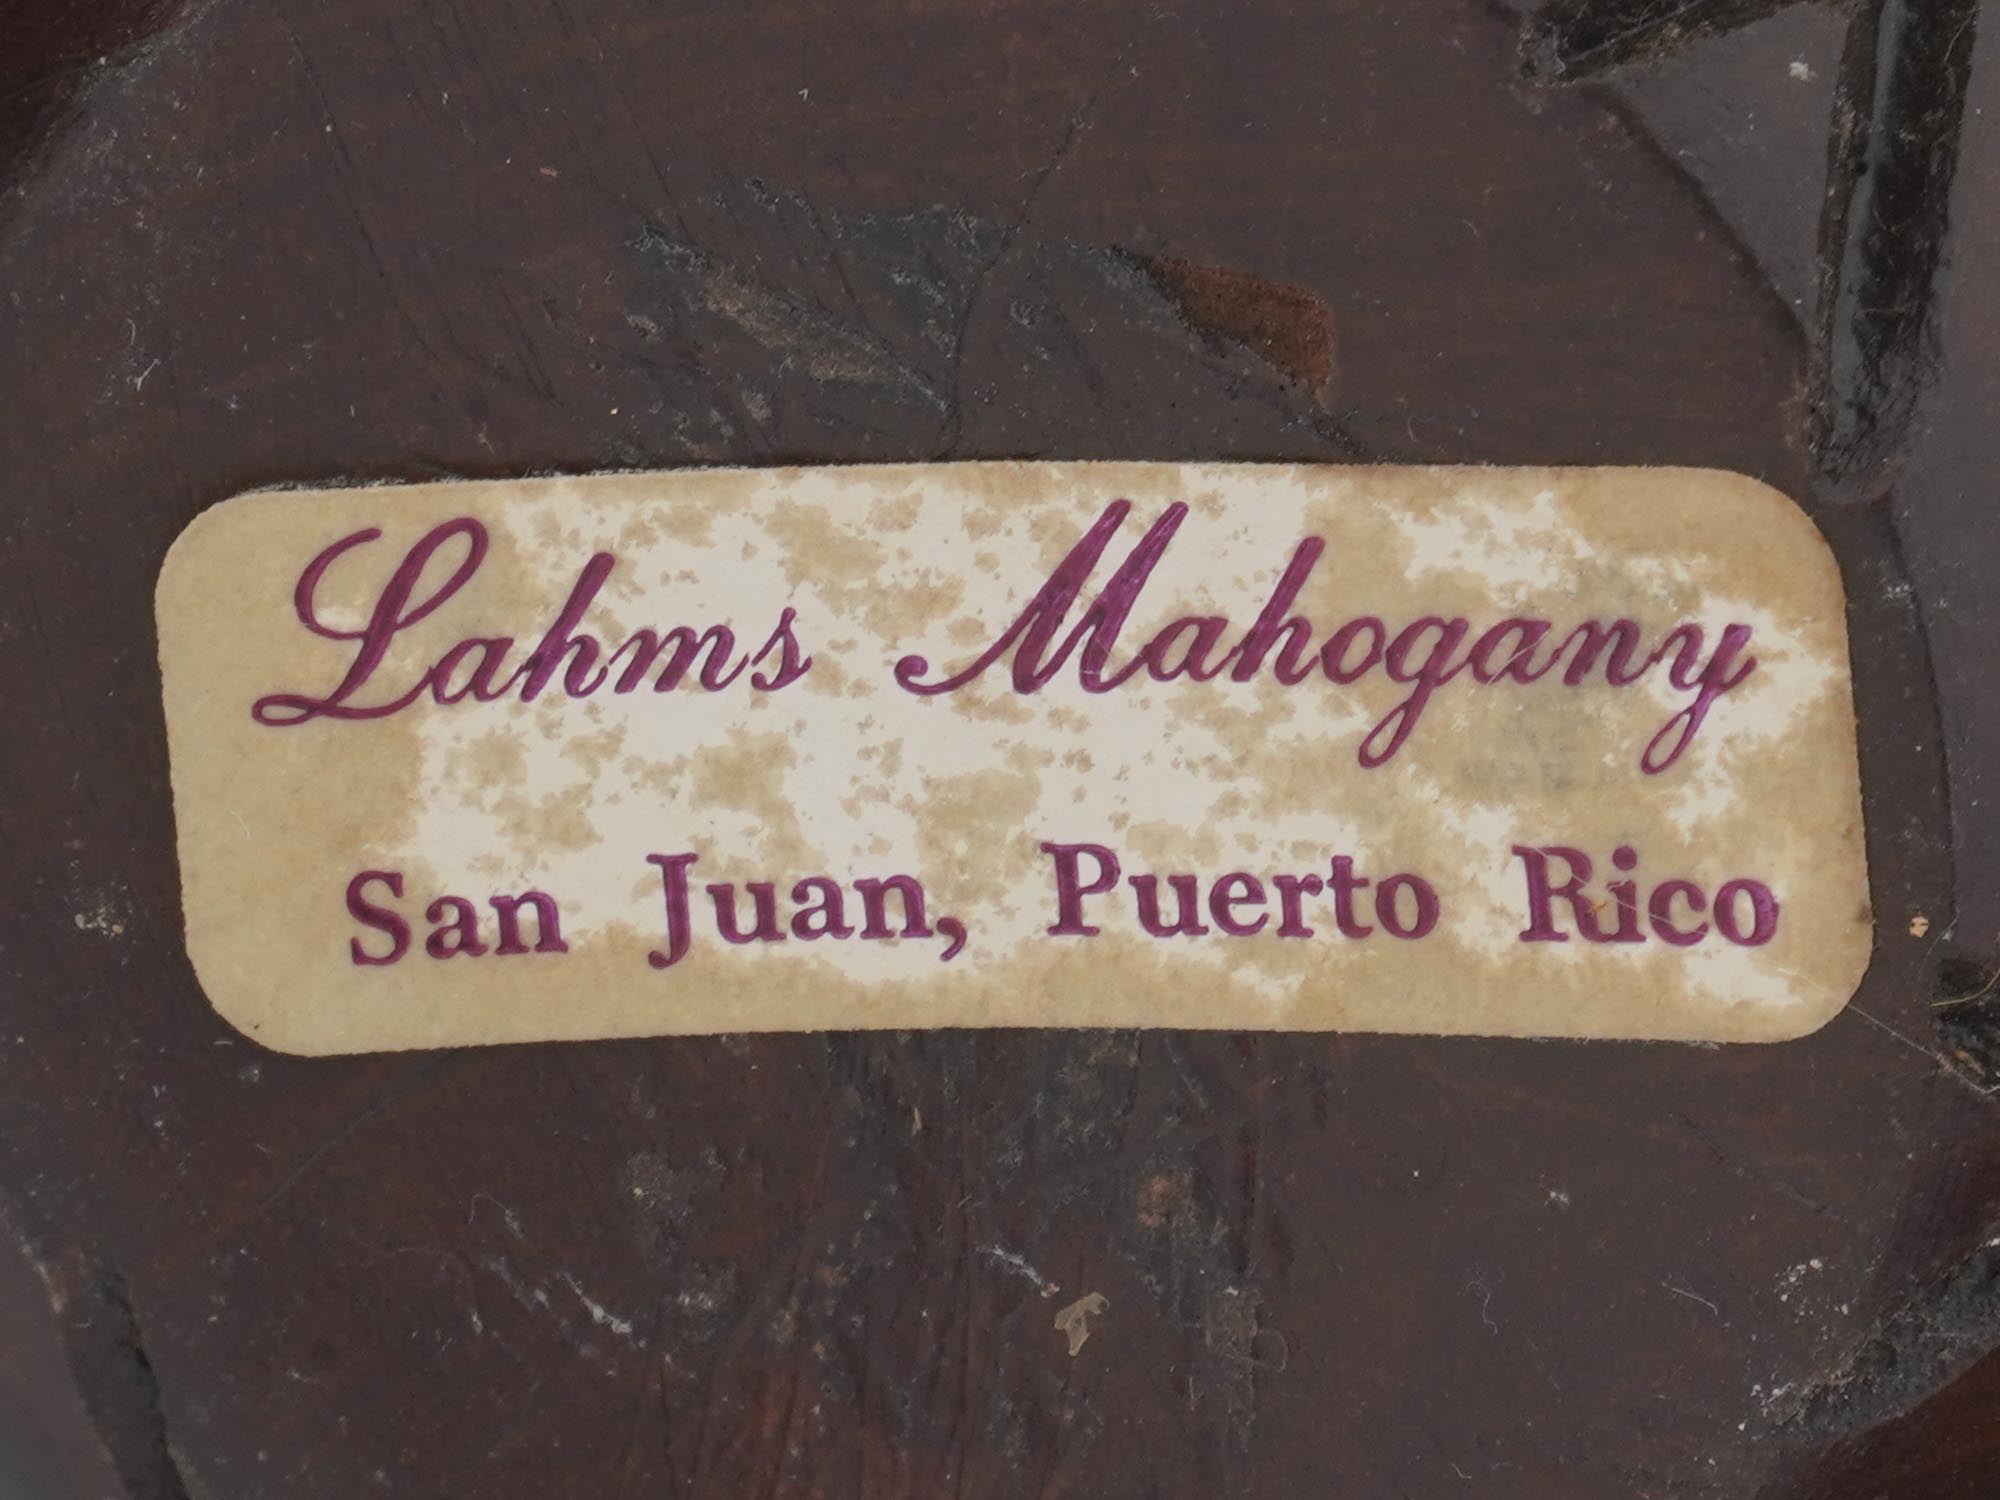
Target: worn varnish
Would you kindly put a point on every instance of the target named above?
(246, 245)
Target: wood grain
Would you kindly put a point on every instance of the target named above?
(293, 243)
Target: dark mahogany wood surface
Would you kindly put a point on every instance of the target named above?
(298, 242)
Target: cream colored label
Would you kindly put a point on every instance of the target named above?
(1549, 752)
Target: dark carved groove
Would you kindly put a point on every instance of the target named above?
(1572, 40)
(1893, 155)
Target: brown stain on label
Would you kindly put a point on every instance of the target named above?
(1184, 778)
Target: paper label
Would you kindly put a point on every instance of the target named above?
(1551, 752)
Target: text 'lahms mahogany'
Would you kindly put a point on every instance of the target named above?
(1521, 752)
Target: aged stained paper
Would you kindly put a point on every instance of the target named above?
(325, 728)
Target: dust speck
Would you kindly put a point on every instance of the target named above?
(1073, 1320)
